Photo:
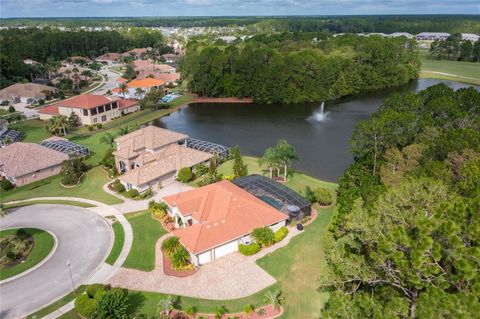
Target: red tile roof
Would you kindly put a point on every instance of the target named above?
(122, 104)
(85, 101)
(224, 212)
(145, 83)
(51, 109)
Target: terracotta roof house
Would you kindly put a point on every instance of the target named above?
(25, 92)
(212, 220)
(109, 58)
(168, 78)
(24, 163)
(152, 156)
(139, 87)
(90, 108)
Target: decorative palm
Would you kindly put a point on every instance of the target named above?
(220, 311)
(274, 298)
(108, 139)
(286, 154)
(59, 123)
(165, 306)
(139, 92)
(171, 245)
(270, 159)
(123, 130)
(123, 88)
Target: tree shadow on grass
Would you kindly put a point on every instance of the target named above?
(135, 301)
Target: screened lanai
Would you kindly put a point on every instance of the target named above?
(65, 146)
(9, 137)
(275, 194)
(208, 147)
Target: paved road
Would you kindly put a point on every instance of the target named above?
(111, 82)
(84, 238)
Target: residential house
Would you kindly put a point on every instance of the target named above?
(401, 34)
(170, 58)
(151, 157)
(25, 92)
(432, 36)
(23, 163)
(109, 58)
(470, 37)
(91, 109)
(136, 89)
(150, 66)
(8, 136)
(211, 221)
(167, 78)
(136, 53)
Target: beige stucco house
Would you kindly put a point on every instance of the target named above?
(151, 157)
(25, 92)
(24, 163)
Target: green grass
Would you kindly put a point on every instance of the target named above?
(72, 314)
(117, 244)
(43, 245)
(467, 72)
(34, 131)
(57, 304)
(89, 188)
(146, 232)
(61, 202)
(297, 266)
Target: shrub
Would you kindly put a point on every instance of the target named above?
(264, 236)
(108, 159)
(191, 311)
(249, 309)
(158, 210)
(180, 259)
(85, 305)
(72, 171)
(6, 185)
(132, 193)
(323, 196)
(146, 194)
(41, 102)
(249, 250)
(310, 195)
(281, 234)
(118, 186)
(184, 175)
(90, 128)
(11, 109)
(201, 169)
(171, 245)
(113, 304)
(99, 125)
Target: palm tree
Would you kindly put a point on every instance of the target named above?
(108, 139)
(68, 72)
(220, 311)
(123, 130)
(286, 154)
(139, 92)
(87, 73)
(165, 306)
(274, 298)
(123, 88)
(270, 159)
(59, 123)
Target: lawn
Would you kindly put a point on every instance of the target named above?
(146, 232)
(57, 304)
(43, 245)
(48, 201)
(468, 72)
(34, 131)
(89, 188)
(117, 244)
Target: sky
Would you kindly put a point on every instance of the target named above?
(117, 8)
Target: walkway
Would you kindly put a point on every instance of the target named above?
(231, 277)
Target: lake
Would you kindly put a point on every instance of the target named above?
(323, 146)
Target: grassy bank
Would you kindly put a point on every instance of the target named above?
(42, 246)
(146, 232)
(460, 71)
(117, 244)
(90, 188)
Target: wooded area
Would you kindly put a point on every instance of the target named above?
(404, 242)
(454, 48)
(293, 68)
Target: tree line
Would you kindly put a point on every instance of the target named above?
(50, 45)
(294, 68)
(455, 48)
(405, 240)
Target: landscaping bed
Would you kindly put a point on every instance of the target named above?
(22, 249)
(169, 271)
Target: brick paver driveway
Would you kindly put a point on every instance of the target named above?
(231, 277)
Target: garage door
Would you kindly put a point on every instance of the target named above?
(167, 179)
(226, 249)
(204, 258)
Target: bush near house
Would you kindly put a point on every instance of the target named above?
(264, 236)
(118, 187)
(86, 304)
(102, 301)
(132, 193)
(171, 245)
(158, 210)
(201, 169)
(72, 171)
(321, 196)
(249, 250)
(6, 185)
(184, 175)
(281, 234)
(181, 259)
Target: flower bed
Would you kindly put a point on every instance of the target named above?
(169, 271)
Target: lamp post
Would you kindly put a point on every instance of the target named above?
(71, 277)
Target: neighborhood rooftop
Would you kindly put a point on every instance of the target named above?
(63, 145)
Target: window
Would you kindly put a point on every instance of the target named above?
(129, 186)
(104, 118)
(101, 109)
(95, 120)
(108, 107)
(85, 112)
(114, 105)
(93, 111)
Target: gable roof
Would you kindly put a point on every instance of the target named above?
(32, 90)
(224, 212)
(51, 109)
(19, 159)
(166, 77)
(84, 101)
(145, 83)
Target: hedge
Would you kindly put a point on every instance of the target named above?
(184, 175)
(281, 234)
(249, 250)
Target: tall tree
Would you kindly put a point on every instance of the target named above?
(239, 167)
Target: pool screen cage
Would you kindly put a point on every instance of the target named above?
(9, 137)
(264, 187)
(208, 147)
(67, 147)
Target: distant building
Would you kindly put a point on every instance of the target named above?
(432, 36)
(109, 58)
(168, 78)
(170, 58)
(24, 163)
(150, 66)
(401, 34)
(228, 39)
(91, 109)
(136, 53)
(470, 37)
(25, 92)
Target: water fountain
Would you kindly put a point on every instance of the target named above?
(319, 116)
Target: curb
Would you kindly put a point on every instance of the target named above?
(44, 260)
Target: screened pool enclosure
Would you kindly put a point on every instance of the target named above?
(67, 147)
(208, 147)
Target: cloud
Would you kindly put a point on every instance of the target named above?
(82, 8)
